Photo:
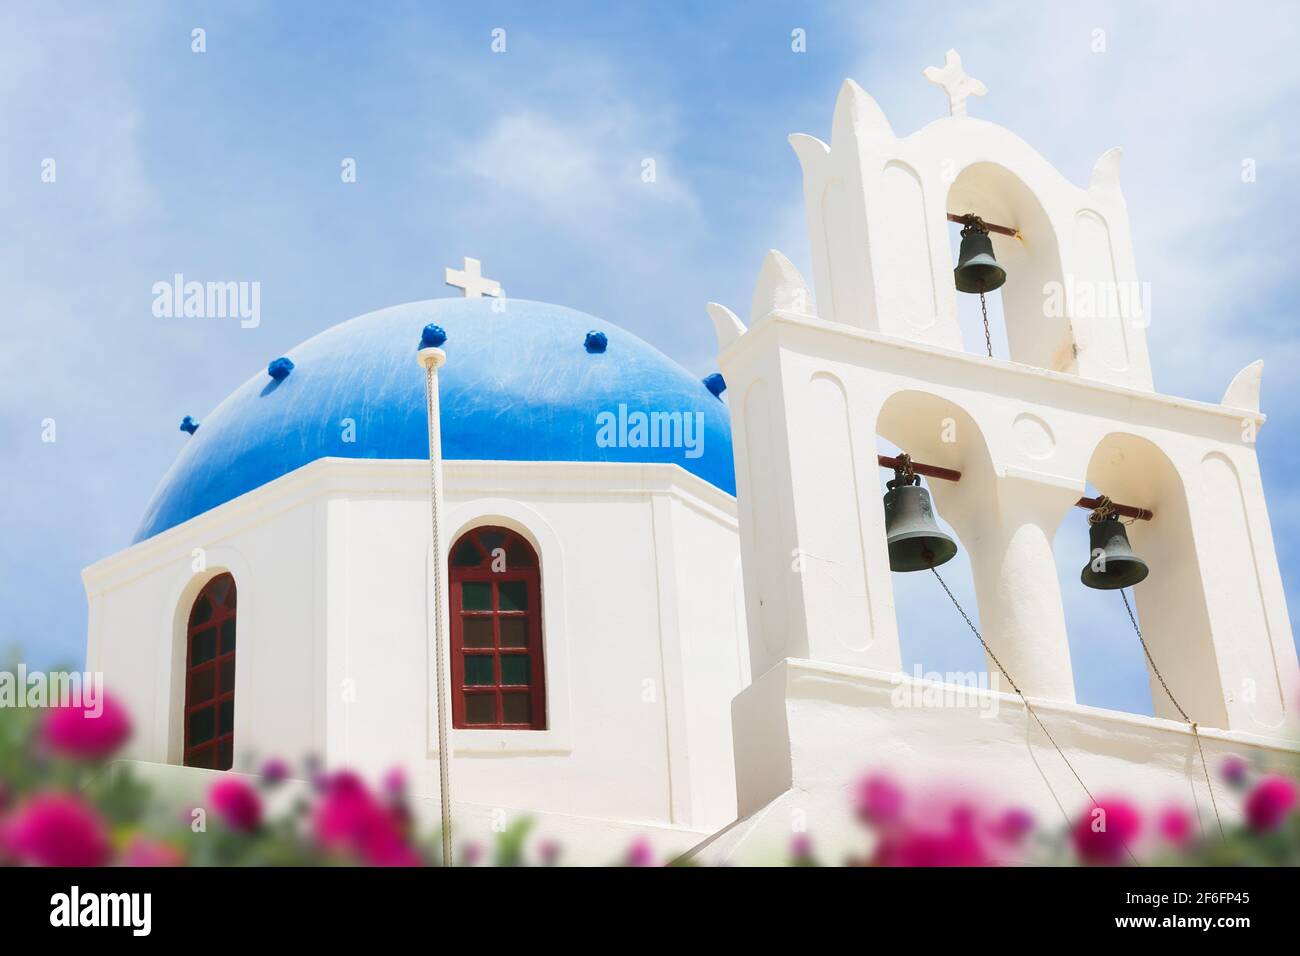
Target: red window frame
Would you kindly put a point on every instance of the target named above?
(209, 714)
(521, 564)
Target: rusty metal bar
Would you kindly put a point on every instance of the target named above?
(930, 471)
(991, 227)
(950, 474)
(1126, 511)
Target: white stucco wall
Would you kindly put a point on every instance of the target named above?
(807, 732)
(643, 652)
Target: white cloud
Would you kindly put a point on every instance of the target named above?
(583, 169)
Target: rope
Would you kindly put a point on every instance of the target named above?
(1024, 700)
(1179, 707)
(444, 757)
(1103, 510)
(988, 338)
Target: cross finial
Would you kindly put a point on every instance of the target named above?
(955, 82)
(471, 280)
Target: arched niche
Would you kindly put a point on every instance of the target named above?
(937, 431)
(1036, 335)
(1170, 603)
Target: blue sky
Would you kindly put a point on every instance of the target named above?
(225, 165)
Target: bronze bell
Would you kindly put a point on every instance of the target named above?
(977, 270)
(914, 539)
(1111, 563)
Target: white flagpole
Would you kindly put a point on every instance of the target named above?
(431, 358)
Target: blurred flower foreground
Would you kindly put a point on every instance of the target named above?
(64, 802)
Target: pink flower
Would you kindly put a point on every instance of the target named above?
(1270, 802)
(348, 818)
(549, 852)
(394, 783)
(1014, 825)
(879, 801)
(801, 848)
(471, 854)
(957, 845)
(275, 771)
(1105, 833)
(640, 853)
(144, 852)
(1175, 826)
(86, 733)
(237, 804)
(1234, 770)
(53, 829)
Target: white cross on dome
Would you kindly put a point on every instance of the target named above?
(471, 280)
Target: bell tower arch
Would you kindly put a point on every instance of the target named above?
(879, 350)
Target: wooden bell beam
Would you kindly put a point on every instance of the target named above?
(950, 474)
(930, 471)
(1124, 511)
(991, 227)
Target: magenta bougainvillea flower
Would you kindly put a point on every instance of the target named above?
(1105, 834)
(142, 851)
(879, 800)
(548, 852)
(954, 842)
(1013, 825)
(640, 853)
(54, 829)
(1176, 826)
(801, 847)
(237, 804)
(394, 783)
(275, 771)
(471, 854)
(1234, 770)
(87, 733)
(1268, 804)
(348, 818)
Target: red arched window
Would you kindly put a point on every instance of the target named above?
(497, 677)
(210, 677)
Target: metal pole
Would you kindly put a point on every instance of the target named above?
(431, 359)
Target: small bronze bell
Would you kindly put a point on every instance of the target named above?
(1112, 563)
(977, 270)
(914, 539)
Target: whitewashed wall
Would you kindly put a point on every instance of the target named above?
(643, 651)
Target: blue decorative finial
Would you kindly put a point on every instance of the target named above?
(432, 337)
(279, 369)
(188, 424)
(716, 384)
(596, 342)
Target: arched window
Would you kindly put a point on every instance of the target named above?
(210, 677)
(497, 677)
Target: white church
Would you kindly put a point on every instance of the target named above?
(669, 610)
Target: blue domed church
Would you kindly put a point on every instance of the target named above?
(277, 600)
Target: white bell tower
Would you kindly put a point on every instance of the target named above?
(881, 354)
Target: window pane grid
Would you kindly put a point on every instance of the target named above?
(497, 667)
(208, 714)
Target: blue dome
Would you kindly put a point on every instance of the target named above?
(519, 385)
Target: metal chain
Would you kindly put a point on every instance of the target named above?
(1024, 700)
(1179, 707)
(444, 775)
(988, 338)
